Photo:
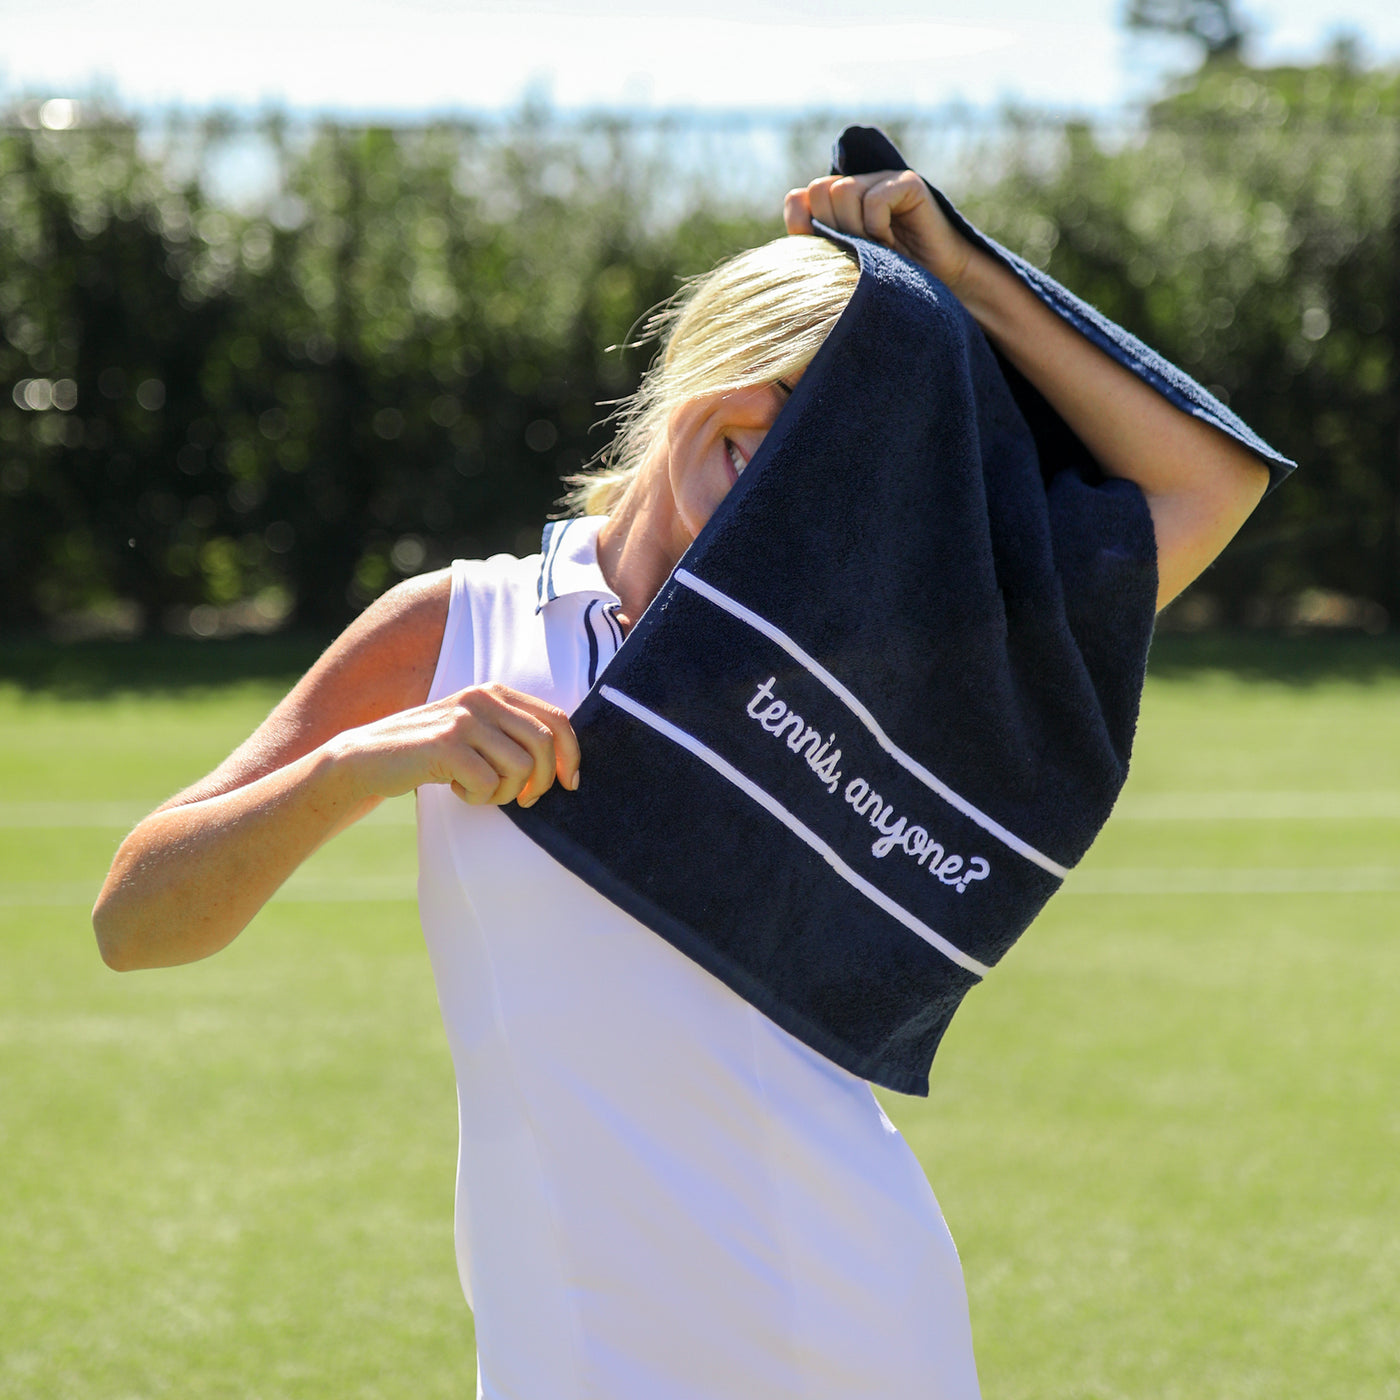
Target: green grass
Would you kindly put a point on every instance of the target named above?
(1165, 1134)
(232, 1179)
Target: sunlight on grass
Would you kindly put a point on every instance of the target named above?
(1164, 1133)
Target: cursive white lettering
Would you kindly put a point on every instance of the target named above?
(765, 692)
(948, 871)
(977, 869)
(797, 724)
(826, 768)
(772, 717)
(895, 832)
(893, 835)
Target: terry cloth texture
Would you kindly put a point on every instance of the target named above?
(888, 696)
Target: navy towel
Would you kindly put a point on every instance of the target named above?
(888, 696)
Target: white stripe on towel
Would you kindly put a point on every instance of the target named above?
(815, 668)
(771, 805)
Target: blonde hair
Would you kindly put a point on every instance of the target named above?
(756, 318)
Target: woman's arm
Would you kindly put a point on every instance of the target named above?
(353, 731)
(1200, 483)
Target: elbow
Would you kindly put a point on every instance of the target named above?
(134, 932)
(122, 914)
(121, 923)
(113, 940)
(115, 958)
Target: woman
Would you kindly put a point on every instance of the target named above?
(660, 1193)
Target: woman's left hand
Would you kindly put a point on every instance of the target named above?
(893, 207)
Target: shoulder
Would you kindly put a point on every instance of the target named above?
(382, 663)
(388, 653)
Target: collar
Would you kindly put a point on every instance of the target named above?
(569, 561)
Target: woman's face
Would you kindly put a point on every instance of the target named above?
(709, 442)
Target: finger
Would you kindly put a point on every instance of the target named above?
(819, 200)
(848, 205)
(524, 740)
(502, 725)
(535, 740)
(902, 195)
(797, 213)
(473, 777)
(512, 762)
(880, 203)
(488, 729)
(566, 757)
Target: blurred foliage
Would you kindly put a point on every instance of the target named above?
(1251, 233)
(392, 365)
(221, 418)
(1216, 25)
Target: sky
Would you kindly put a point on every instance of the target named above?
(407, 58)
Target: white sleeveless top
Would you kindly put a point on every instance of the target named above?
(660, 1194)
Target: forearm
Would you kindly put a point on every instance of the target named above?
(190, 877)
(1131, 430)
(1200, 483)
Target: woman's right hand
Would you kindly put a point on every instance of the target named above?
(491, 743)
(354, 730)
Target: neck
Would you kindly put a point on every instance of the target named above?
(641, 543)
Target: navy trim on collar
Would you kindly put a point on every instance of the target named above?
(569, 561)
(546, 590)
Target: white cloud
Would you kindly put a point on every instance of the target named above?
(408, 56)
(367, 55)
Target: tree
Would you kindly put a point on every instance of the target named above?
(1252, 234)
(1215, 24)
(394, 362)
(392, 365)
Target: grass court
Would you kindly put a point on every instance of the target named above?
(1166, 1133)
